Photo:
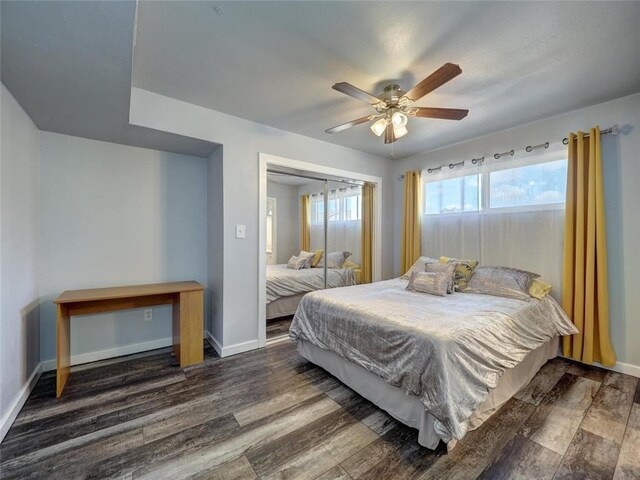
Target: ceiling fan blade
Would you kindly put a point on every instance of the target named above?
(443, 113)
(350, 124)
(438, 78)
(355, 92)
(389, 136)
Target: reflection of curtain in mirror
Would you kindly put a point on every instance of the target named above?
(305, 221)
(366, 263)
(344, 230)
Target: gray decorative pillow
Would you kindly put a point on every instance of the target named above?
(446, 268)
(418, 266)
(335, 259)
(308, 256)
(429, 282)
(296, 263)
(501, 281)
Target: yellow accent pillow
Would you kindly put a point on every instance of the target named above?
(539, 289)
(350, 264)
(463, 273)
(317, 255)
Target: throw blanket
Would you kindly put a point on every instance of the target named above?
(448, 351)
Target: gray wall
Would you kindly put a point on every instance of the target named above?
(287, 220)
(622, 198)
(117, 215)
(19, 228)
(243, 141)
(215, 243)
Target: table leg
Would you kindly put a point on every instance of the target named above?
(63, 328)
(188, 329)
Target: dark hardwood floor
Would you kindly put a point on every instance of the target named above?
(278, 327)
(271, 414)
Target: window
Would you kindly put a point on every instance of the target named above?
(461, 194)
(525, 187)
(344, 205)
(540, 184)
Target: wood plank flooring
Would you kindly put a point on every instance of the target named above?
(271, 414)
(278, 327)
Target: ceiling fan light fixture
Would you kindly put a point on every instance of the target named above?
(400, 131)
(379, 126)
(398, 119)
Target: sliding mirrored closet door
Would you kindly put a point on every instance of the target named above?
(319, 234)
(294, 246)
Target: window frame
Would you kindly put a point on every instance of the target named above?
(450, 177)
(340, 207)
(484, 185)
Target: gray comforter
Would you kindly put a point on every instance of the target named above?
(284, 282)
(449, 351)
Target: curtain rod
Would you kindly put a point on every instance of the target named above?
(310, 177)
(335, 190)
(613, 130)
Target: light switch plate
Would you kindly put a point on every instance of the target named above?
(240, 231)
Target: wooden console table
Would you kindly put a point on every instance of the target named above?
(187, 299)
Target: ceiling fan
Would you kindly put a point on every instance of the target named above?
(394, 105)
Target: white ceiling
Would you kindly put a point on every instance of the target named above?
(69, 65)
(275, 62)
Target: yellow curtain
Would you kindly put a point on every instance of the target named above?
(305, 224)
(584, 283)
(367, 233)
(411, 220)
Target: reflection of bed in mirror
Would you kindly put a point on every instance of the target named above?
(286, 287)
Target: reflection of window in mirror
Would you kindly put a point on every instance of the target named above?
(271, 231)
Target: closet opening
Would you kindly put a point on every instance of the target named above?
(318, 230)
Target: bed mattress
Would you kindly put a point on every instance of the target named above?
(449, 352)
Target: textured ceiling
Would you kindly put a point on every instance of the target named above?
(275, 62)
(69, 65)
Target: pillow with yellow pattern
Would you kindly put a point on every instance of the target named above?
(539, 289)
(317, 255)
(463, 273)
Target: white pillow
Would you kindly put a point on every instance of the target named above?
(335, 259)
(419, 266)
(296, 263)
(308, 256)
(429, 282)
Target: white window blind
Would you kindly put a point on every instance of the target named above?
(508, 214)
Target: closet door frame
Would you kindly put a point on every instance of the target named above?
(266, 160)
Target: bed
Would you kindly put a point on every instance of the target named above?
(442, 365)
(286, 287)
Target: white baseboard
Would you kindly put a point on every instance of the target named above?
(284, 338)
(214, 343)
(14, 410)
(629, 369)
(620, 367)
(48, 365)
(230, 349)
